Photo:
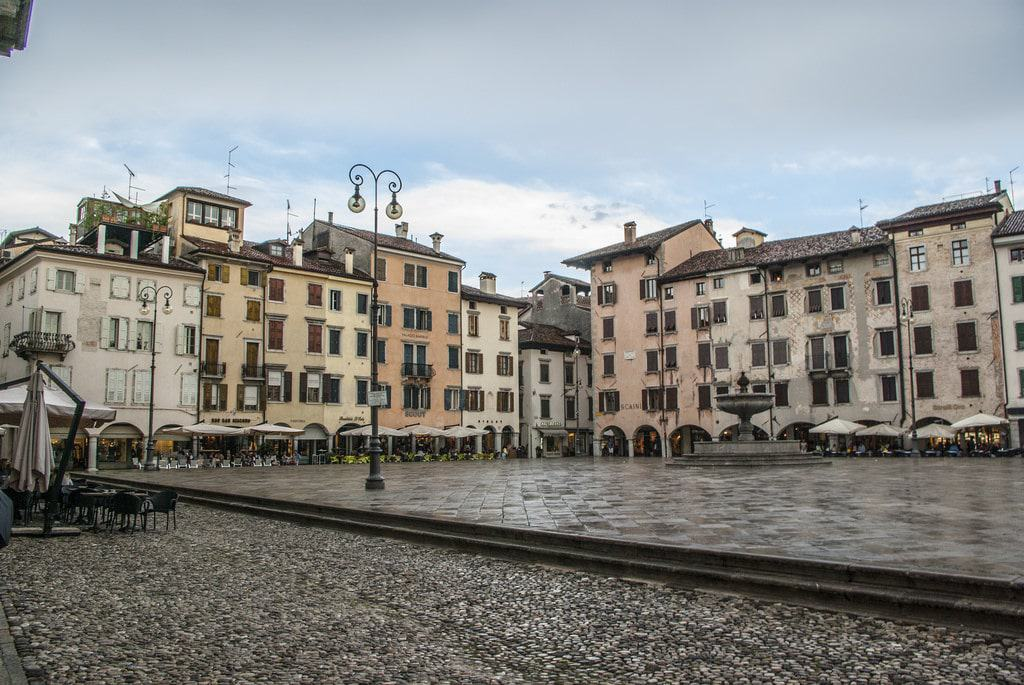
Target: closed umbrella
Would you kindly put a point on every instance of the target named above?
(836, 427)
(882, 430)
(32, 461)
(977, 421)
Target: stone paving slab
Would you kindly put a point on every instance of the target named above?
(953, 515)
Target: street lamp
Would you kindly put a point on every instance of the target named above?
(357, 203)
(907, 314)
(149, 294)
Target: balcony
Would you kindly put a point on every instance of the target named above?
(213, 369)
(31, 344)
(410, 370)
(253, 371)
(827, 362)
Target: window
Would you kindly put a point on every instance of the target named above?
(652, 361)
(213, 305)
(453, 281)
(276, 250)
(218, 272)
(703, 397)
(453, 323)
(961, 252)
(776, 276)
(841, 351)
(275, 289)
(362, 344)
(671, 361)
(755, 278)
(211, 215)
(881, 259)
(837, 293)
(778, 302)
(275, 334)
(187, 392)
(115, 386)
(249, 397)
(651, 322)
(416, 275)
(650, 399)
(312, 388)
(1018, 289)
(334, 342)
(721, 356)
(889, 391)
(606, 267)
(718, 311)
(383, 314)
(700, 317)
(958, 226)
(252, 277)
(915, 232)
(473, 325)
(883, 292)
(835, 266)
(475, 364)
(923, 340)
(670, 321)
(717, 282)
(1018, 329)
(65, 281)
(415, 318)
(314, 338)
(252, 310)
(382, 269)
(970, 385)
(545, 406)
(963, 294)
(606, 294)
(758, 354)
(814, 300)
(649, 289)
(143, 335)
(545, 372)
(505, 401)
(814, 269)
(608, 328)
(918, 258)
(275, 381)
(782, 394)
(362, 303)
(473, 400)
(819, 392)
(568, 373)
(332, 389)
(334, 300)
(756, 307)
(314, 295)
(1017, 254)
(570, 408)
(503, 329)
(506, 367)
(120, 287)
(919, 299)
(362, 392)
(608, 401)
(780, 352)
(452, 399)
(924, 384)
(886, 343)
(700, 288)
(215, 396)
(841, 390)
(608, 361)
(650, 260)
(114, 334)
(140, 393)
(669, 292)
(185, 340)
(704, 354)
(966, 337)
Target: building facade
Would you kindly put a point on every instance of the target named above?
(1008, 242)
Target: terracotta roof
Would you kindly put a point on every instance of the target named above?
(940, 209)
(13, 235)
(150, 260)
(389, 241)
(247, 252)
(643, 243)
(776, 252)
(536, 335)
(312, 263)
(470, 293)
(205, 192)
(1013, 225)
(565, 279)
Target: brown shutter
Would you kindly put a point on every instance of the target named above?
(207, 396)
(240, 397)
(919, 298)
(302, 387)
(263, 397)
(963, 294)
(966, 337)
(225, 273)
(287, 389)
(613, 293)
(211, 272)
(694, 320)
(244, 278)
(223, 397)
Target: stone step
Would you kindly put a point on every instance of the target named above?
(749, 460)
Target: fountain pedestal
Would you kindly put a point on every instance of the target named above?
(744, 450)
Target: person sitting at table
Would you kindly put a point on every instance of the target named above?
(954, 450)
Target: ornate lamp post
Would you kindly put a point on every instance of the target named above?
(149, 295)
(907, 314)
(356, 203)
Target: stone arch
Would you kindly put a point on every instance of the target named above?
(796, 431)
(613, 442)
(681, 440)
(647, 442)
(729, 433)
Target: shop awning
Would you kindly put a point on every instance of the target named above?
(554, 432)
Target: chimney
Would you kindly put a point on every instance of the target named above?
(710, 224)
(235, 241)
(330, 217)
(297, 252)
(165, 249)
(101, 239)
(133, 245)
(349, 259)
(998, 185)
(488, 283)
(436, 237)
(855, 235)
(630, 230)
(402, 229)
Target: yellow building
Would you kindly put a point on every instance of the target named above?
(317, 326)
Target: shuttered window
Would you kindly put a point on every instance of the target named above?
(275, 289)
(670, 321)
(756, 307)
(722, 357)
(963, 294)
(651, 322)
(314, 338)
(703, 397)
(780, 352)
(966, 337)
(275, 334)
(757, 354)
(814, 301)
(608, 328)
(670, 357)
(782, 394)
(609, 364)
(924, 382)
(969, 384)
(704, 354)
(778, 302)
(1018, 288)
(923, 340)
(919, 300)
(718, 311)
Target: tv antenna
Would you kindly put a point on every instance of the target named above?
(105, 195)
(1013, 196)
(707, 206)
(288, 220)
(230, 167)
(131, 177)
(862, 207)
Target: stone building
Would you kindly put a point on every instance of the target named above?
(1008, 242)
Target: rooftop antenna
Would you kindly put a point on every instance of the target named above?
(131, 175)
(986, 184)
(288, 220)
(105, 195)
(314, 209)
(1013, 197)
(230, 167)
(862, 206)
(706, 208)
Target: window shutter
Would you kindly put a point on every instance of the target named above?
(287, 386)
(179, 339)
(643, 292)
(79, 283)
(158, 344)
(105, 333)
(211, 272)
(192, 295)
(613, 293)
(240, 397)
(387, 315)
(225, 273)
(244, 279)
(223, 397)
(122, 334)
(1018, 288)
(694, 321)
(51, 278)
(410, 274)
(302, 386)
(430, 320)
(132, 335)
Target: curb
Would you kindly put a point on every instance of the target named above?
(991, 604)
(11, 669)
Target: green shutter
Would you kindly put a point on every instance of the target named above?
(1018, 288)
(1020, 335)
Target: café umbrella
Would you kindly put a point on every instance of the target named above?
(881, 430)
(367, 431)
(836, 427)
(274, 429)
(935, 430)
(211, 429)
(32, 459)
(59, 408)
(978, 421)
(463, 432)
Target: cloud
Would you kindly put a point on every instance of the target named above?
(833, 161)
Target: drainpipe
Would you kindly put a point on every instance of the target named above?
(899, 329)
(200, 348)
(768, 351)
(263, 347)
(661, 362)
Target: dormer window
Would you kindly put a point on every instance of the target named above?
(276, 250)
(606, 267)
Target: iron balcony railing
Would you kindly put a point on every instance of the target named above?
(252, 371)
(30, 343)
(213, 368)
(410, 370)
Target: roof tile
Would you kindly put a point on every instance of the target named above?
(940, 209)
(643, 243)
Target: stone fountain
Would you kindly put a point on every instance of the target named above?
(744, 450)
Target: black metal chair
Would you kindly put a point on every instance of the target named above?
(165, 502)
(122, 505)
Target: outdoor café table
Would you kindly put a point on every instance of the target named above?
(93, 500)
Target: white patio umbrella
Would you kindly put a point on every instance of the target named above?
(59, 407)
(935, 430)
(367, 431)
(836, 427)
(32, 461)
(206, 429)
(462, 432)
(977, 421)
(273, 429)
(882, 430)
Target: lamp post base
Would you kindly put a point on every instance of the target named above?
(373, 483)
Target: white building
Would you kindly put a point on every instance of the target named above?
(1008, 241)
(490, 356)
(79, 308)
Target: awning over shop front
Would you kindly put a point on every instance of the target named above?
(554, 432)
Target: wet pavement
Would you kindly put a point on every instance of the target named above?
(957, 515)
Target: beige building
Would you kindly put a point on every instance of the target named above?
(1008, 241)
(628, 320)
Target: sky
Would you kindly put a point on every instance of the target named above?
(525, 132)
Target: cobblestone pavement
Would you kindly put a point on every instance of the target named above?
(233, 598)
(960, 515)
